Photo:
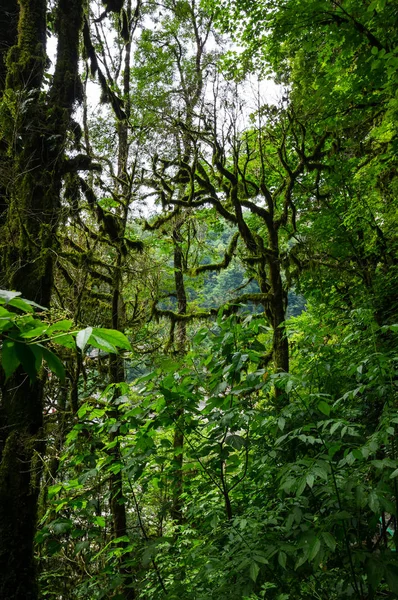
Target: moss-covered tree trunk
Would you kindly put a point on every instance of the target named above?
(9, 10)
(34, 132)
(181, 348)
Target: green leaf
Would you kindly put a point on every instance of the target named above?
(97, 413)
(260, 558)
(30, 358)
(54, 489)
(301, 486)
(373, 502)
(36, 349)
(314, 549)
(7, 295)
(5, 324)
(282, 559)
(300, 561)
(392, 577)
(84, 409)
(102, 344)
(236, 441)
(100, 521)
(394, 474)
(289, 386)
(254, 571)
(54, 363)
(32, 333)
(64, 325)
(357, 454)
(289, 521)
(324, 408)
(113, 337)
(9, 358)
(21, 305)
(65, 339)
(201, 335)
(12, 298)
(374, 570)
(63, 526)
(31, 303)
(82, 546)
(82, 337)
(310, 480)
(329, 540)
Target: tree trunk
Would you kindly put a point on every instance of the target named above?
(117, 375)
(278, 306)
(181, 345)
(34, 133)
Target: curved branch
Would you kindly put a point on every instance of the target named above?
(221, 265)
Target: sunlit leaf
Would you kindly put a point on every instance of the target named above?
(82, 337)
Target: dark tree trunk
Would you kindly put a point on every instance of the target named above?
(9, 11)
(278, 306)
(181, 345)
(117, 500)
(35, 140)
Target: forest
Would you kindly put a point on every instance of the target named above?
(199, 299)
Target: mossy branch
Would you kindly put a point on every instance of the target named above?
(256, 298)
(81, 162)
(221, 265)
(183, 318)
(160, 221)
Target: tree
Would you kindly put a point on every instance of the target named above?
(35, 165)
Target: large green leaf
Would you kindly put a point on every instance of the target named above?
(64, 339)
(54, 363)
(21, 305)
(314, 549)
(82, 337)
(236, 441)
(113, 337)
(375, 571)
(254, 570)
(6, 319)
(101, 344)
(324, 407)
(392, 577)
(329, 540)
(7, 295)
(64, 325)
(33, 333)
(30, 358)
(9, 358)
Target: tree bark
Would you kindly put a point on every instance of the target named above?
(181, 346)
(34, 134)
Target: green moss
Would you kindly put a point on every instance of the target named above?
(26, 61)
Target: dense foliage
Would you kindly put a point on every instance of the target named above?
(206, 408)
